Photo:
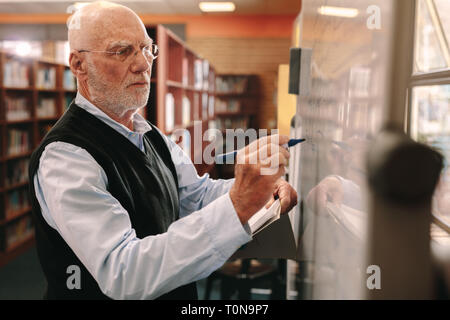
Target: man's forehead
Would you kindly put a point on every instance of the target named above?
(127, 42)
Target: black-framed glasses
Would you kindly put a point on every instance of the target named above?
(122, 53)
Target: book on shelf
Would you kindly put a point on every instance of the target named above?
(205, 74)
(16, 74)
(186, 111)
(198, 74)
(69, 81)
(204, 106)
(196, 106)
(18, 231)
(46, 78)
(228, 106)
(211, 106)
(17, 200)
(212, 127)
(231, 84)
(18, 141)
(185, 71)
(170, 112)
(17, 172)
(46, 107)
(233, 123)
(17, 109)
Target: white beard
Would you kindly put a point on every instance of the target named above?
(114, 98)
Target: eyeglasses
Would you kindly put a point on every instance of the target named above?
(122, 53)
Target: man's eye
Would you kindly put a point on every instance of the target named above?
(123, 51)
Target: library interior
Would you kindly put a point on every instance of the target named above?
(360, 209)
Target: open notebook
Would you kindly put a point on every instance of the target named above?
(264, 217)
(272, 236)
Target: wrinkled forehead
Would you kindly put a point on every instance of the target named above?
(99, 29)
(111, 32)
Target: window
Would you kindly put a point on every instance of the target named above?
(429, 92)
(432, 35)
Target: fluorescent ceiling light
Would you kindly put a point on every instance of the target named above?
(338, 11)
(217, 6)
(23, 48)
(79, 5)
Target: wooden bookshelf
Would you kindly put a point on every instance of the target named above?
(189, 80)
(32, 100)
(237, 96)
(236, 106)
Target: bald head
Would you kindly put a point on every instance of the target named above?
(96, 24)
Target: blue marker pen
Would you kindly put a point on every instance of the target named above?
(229, 157)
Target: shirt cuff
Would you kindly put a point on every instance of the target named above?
(224, 227)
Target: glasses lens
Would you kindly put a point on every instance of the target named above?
(155, 50)
(123, 53)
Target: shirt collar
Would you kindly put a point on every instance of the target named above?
(140, 125)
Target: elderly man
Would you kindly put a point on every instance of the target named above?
(115, 218)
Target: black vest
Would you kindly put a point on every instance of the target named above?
(146, 186)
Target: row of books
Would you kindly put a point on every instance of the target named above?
(17, 109)
(228, 106)
(46, 107)
(207, 104)
(18, 231)
(46, 78)
(16, 74)
(17, 172)
(201, 75)
(236, 84)
(18, 141)
(232, 123)
(69, 81)
(17, 200)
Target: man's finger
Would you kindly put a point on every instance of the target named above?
(271, 201)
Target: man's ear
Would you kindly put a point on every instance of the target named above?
(77, 65)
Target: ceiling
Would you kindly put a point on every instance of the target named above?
(277, 7)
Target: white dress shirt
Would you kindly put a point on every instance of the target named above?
(71, 189)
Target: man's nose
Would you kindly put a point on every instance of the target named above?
(140, 63)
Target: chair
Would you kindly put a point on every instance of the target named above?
(241, 276)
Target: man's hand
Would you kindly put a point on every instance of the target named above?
(287, 195)
(328, 190)
(258, 168)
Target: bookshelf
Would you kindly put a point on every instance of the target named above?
(34, 94)
(236, 101)
(236, 105)
(183, 92)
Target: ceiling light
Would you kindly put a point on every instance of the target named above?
(79, 5)
(23, 48)
(338, 11)
(217, 6)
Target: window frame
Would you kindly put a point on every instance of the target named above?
(437, 77)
